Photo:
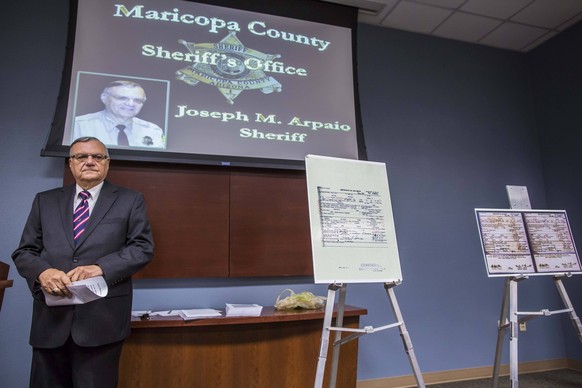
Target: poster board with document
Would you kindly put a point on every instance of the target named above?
(525, 241)
(352, 227)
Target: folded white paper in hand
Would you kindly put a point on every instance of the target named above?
(83, 291)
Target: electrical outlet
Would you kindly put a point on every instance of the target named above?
(522, 326)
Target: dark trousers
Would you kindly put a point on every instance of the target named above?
(74, 366)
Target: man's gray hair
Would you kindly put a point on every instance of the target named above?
(86, 139)
(125, 83)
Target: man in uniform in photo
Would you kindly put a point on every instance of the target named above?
(118, 124)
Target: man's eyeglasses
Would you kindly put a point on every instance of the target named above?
(127, 99)
(84, 157)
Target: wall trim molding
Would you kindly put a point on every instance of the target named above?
(469, 374)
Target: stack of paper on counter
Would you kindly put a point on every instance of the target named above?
(243, 310)
(199, 313)
(187, 314)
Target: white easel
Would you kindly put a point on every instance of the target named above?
(353, 240)
(356, 333)
(509, 320)
(518, 198)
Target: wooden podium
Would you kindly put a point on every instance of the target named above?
(4, 282)
(277, 349)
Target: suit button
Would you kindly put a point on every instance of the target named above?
(75, 259)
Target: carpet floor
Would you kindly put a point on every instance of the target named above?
(562, 378)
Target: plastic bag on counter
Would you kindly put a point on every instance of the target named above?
(303, 300)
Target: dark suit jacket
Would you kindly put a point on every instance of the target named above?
(117, 238)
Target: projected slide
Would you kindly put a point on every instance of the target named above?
(188, 78)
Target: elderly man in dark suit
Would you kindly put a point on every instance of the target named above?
(80, 345)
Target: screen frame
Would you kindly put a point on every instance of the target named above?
(310, 10)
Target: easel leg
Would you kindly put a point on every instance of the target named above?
(573, 317)
(320, 372)
(502, 325)
(514, 330)
(404, 335)
(339, 322)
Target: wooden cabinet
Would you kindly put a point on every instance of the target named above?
(269, 224)
(4, 282)
(211, 221)
(277, 349)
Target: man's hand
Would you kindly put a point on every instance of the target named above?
(84, 272)
(54, 282)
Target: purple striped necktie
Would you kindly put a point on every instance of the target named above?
(81, 215)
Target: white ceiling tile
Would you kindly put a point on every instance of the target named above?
(513, 36)
(549, 13)
(466, 27)
(366, 17)
(532, 22)
(570, 22)
(542, 39)
(442, 3)
(501, 9)
(372, 6)
(415, 17)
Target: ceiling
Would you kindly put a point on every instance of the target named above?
(518, 25)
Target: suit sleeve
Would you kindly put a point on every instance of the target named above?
(27, 257)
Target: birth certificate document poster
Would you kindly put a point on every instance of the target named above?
(527, 242)
(352, 228)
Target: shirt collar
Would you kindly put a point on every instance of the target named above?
(94, 191)
(113, 122)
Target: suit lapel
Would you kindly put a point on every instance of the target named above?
(107, 198)
(66, 209)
